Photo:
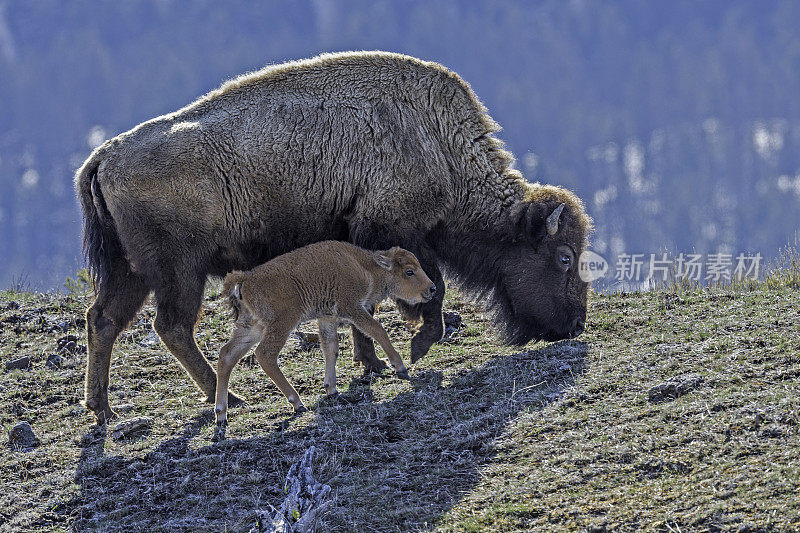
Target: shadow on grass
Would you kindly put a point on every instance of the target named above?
(395, 465)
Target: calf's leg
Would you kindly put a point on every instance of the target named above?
(329, 341)
(245, 336)
(267, 351)
(364, 352)
(369, 326)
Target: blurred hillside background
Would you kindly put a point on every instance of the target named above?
(677, 122)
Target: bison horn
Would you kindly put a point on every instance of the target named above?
(552, 220)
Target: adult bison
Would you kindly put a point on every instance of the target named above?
(375, 148)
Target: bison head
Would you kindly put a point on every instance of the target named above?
(537, 292)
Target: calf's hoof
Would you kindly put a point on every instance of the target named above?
(219, 431)
(300, 410)
(403, 374)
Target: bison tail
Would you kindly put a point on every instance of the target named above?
(101, 244)
(232, 288)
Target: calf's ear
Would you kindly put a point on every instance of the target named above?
(383, 259)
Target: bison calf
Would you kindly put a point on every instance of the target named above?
(335, 283)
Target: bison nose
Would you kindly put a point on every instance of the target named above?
(578, 327)
(432, 289)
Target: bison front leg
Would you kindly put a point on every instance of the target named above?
(432, 328)
(364, 352)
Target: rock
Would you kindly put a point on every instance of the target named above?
(452, 319)
(452, 322)
(54, 361)
(68, 344)
(675, 387)
(151, 339)
(19, 363)
(21, 437)
(135, 427)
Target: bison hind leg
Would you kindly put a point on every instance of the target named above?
(178, 305)
(118, 299)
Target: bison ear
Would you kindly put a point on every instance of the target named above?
(384, 259)
(528, 222)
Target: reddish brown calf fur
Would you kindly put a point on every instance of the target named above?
(333, 282)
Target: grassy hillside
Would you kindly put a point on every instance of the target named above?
(678, 410)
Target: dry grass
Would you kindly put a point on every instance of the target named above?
(484, 438)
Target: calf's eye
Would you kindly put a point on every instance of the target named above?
(409, 273)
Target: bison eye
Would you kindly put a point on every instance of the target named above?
(409, 272)
(565, 259)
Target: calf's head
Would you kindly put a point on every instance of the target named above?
(538, 293)
(410, 283)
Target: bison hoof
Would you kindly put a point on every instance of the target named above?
(374, 367)
(300, 410)
(419, 347)
(403, 374)
(104, 415)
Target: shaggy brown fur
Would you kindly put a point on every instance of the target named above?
(332, 282)
(374, 148)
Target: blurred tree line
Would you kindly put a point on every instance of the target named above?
(678, 122)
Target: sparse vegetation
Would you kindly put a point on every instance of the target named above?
(80, 284)
(786, 270)
(484, 437)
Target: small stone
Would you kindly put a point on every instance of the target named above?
(452, 323)
(68, 344)
(54, 361)
(21, 437)
(675, 387)
(19, 363)
(452, 319)
(151, 339)
(135, 427)
(123, 407)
